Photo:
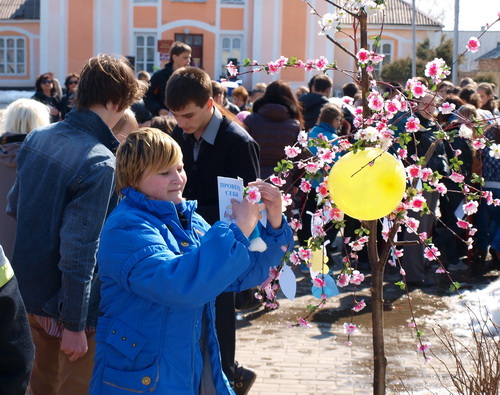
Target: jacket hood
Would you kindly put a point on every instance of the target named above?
(311, 100)
(274, 112)
(9, 145)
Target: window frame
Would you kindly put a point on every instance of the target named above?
(146, 61)
(16, 62)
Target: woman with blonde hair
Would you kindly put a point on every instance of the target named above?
(21, 117)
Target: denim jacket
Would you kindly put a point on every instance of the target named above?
(63, 192)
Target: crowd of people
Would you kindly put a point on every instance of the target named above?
(125, 279)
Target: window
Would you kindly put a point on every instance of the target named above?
(232, 1)
(231, 48)
(12, 55)
(385, 48)
(145, 50)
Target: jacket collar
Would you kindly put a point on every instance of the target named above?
(159, 208)
(91, 123)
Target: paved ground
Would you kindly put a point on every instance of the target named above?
(317, 361)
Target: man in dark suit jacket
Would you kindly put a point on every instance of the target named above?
(212, 146)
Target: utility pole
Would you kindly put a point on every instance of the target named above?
(454, 69)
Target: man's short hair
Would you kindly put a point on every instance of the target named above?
(107, 79)
(188, 85)
(217, 88)
(322, 83)
(179, 47)
(145, 151)
(350, 89)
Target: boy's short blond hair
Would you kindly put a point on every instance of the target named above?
(145, 151)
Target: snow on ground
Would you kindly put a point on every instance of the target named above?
(472, 310)
(7, 97)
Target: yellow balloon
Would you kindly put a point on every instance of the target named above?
(319, 262)
(367, 185)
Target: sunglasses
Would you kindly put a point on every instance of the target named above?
(47, 82)
(72, 82)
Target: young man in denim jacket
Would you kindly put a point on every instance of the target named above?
(63, 192)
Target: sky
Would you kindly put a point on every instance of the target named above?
(473, 13)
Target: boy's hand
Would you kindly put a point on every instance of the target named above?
(246, 215)
(271, 197)
(74, 344)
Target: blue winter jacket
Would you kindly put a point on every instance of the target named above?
(159, 283)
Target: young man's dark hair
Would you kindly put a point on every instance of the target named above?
(188, 85)
(322, 83)
(106, 79)
(320, 86)
(350, 89)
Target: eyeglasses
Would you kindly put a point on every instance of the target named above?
(72, 82)
(47, 82)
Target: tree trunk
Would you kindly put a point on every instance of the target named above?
(377, 291)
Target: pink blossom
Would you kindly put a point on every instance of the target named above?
(447, 108)
(326, 155)
(273, 67)
(363, 56)
(440, 270)
(463, 224)
(305, 254)
(357, 277)
(431, 252)
(302, 139)
(319, 282)
(411, 324)
(281, 61)
(309, 65)
(423, 347)
(359, 306)
(473, 44)
(232, 69)
(277, 181)
(426, 173)
(414, 171)
(417, 203)
(322, 190)
(402, 272)
(456, 177)
(441, 188)
(470, 207)
(253, 195)
(348, 343)
(403, 153)
(292, 152)
(418, 90)
(312, 168)
(343, 279)
(350, 328)
(437, 70)
(287, 199)
(305, 186)
(321, 63)
(304, 323)
(375, 101)
(412, 125)
(479, 144)
(392, 106)
(295, 224)
(336, 214)
(413, 224)
(294, 258)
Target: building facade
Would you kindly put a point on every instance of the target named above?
(65, 33)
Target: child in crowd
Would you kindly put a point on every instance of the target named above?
(126, 125)
(162, 266)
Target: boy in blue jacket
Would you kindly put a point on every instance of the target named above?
(162, 266)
